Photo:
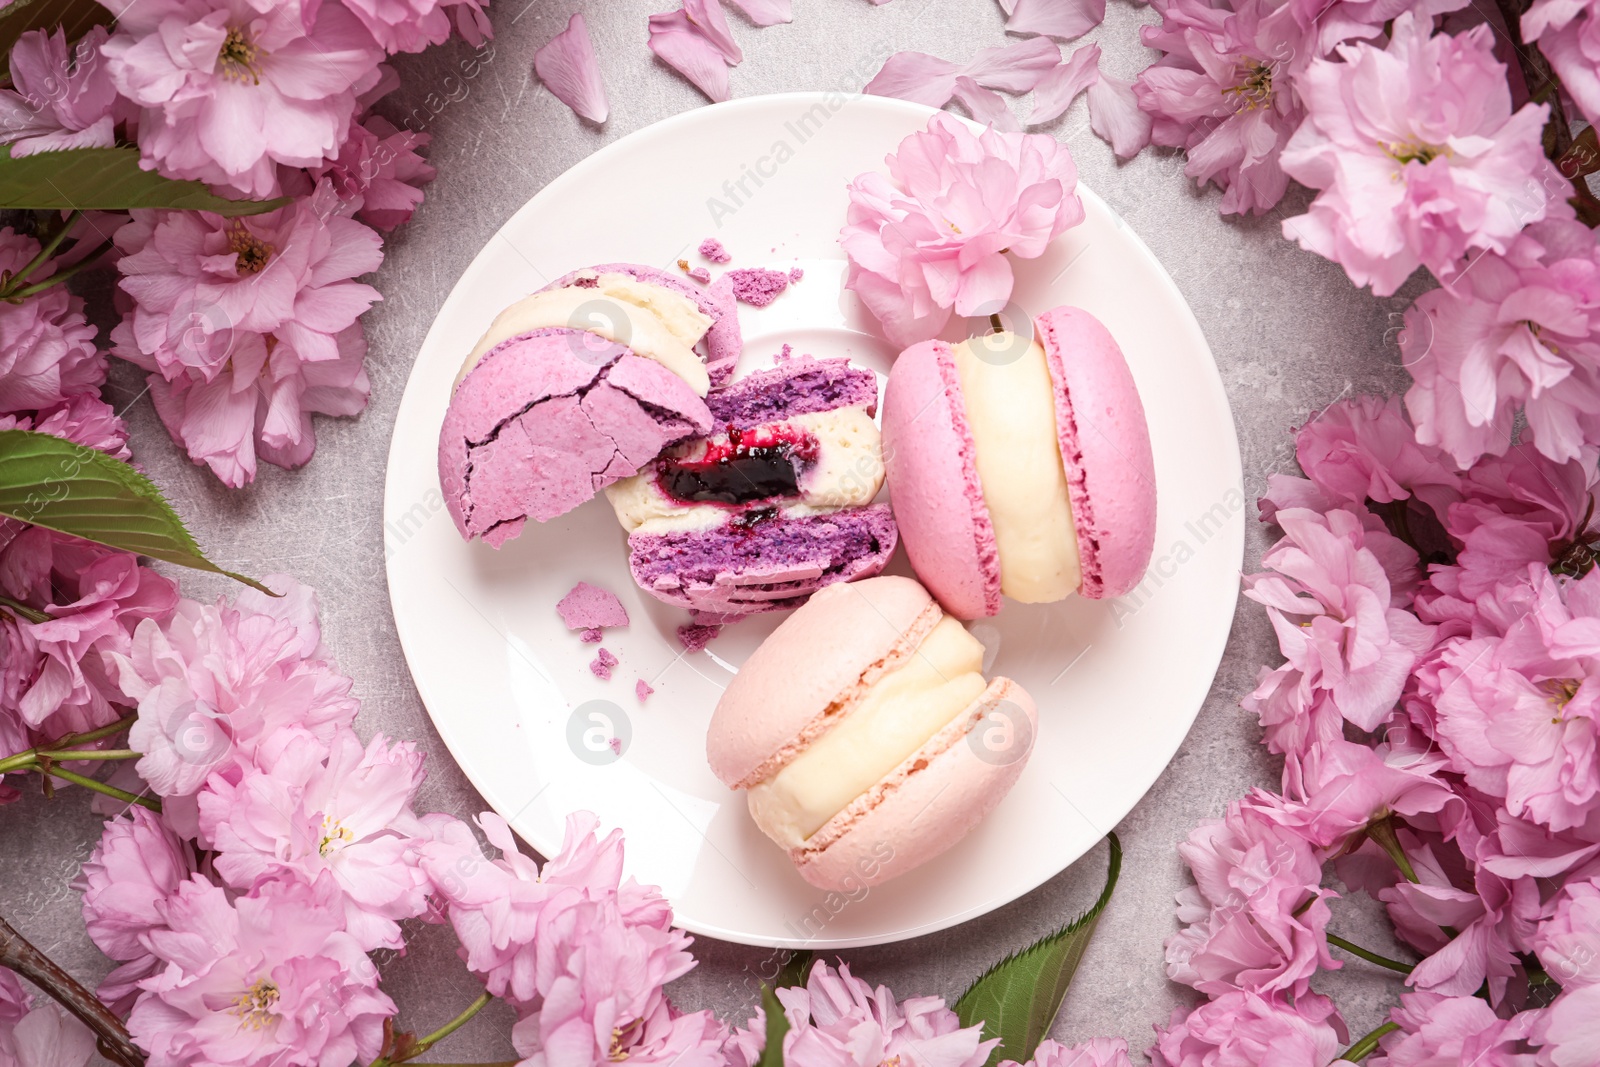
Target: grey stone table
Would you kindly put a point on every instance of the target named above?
(1289, 332)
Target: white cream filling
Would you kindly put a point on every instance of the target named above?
(894, 718)
(1011, 409)
(652, 320)
(848, 473)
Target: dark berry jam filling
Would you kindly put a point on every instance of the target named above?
(741, 467)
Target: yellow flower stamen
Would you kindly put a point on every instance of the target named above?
(254, 1005)
(251, 252)
(239, 58)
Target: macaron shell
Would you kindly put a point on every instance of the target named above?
(811, 668)
(1105, 448)
(931, 467)
(930, 802)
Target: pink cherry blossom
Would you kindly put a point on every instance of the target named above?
(1364, 449)
(346, 810)
(1226, 92)
(1470, 936)
(1095, 1052)
(932, 236)
(47, 351)
(664, 1037)
(1295, 718)
(1568, 939)
(1517, 714)
(84, 419)
(1569, 1031)
(412, 25)
(569, 68)
(1417, 156)
(1437, 1030)
(248, 327)
(1329, 595)
(1568, 33)
(838, 1019)
(269, 978)
(137, 865)
(1348, 785)
(1241, 1028)
(1256, 918)
(229, 89)
(46, 1036)
(378, 173)
(1517, 332)
(62, 99)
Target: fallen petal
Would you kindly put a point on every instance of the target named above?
(985, 105)
(1114, 114)
(708, 17)
(1015, 67)
(569, 69)
(766, 12)
(915, 76)
(678, 44)
(1061, 86)
(1056, 18)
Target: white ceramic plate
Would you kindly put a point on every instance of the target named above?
(509, 688)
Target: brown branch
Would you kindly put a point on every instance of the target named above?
(1540, 77)
(115, 1044)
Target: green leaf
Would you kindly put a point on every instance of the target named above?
(76, 17)
(106, 179)
(63, 486)
(777, 1026)
(1017, 999)
(795, 968)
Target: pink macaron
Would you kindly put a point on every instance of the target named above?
(934, 460)
(873, 659)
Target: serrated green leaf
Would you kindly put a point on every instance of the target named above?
(106, 179)
(75, 17)
(777, 1027)
(63, 486)
(1017, 999)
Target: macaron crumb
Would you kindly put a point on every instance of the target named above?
(758, 286)
(795, 274)
(593, 635)
(695, 638)
(642, 689)
(787, 353)
(712, 249)
(699, 274)
(602, 664)
(588, 608)
(615, 745)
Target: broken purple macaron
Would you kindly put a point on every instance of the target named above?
(773, 505)
(577, 386)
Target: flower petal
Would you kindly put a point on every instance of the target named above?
(707, 17)
(766, 12)
(1061, 86)
(569, 69)
(915, 76)
(1114, 114)
(676, 42)
(986, 105)
(1015, 67)
(1056, 18)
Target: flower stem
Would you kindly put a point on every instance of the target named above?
(18, 295)
(1367, 1045)
(100, 734)
(115, 1043)
(99, 787)
(46, 250)
(22, 611)
(1371, 957)
(68, 755)
(1382, 831)
(423, 1044)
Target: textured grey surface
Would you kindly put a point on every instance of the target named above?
(1289, 332)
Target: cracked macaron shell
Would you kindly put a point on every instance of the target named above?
(585, 414)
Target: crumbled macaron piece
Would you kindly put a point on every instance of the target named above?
(712, 249)
(695, 638)
(616, 745)
(699, 274)
(592, 635)
(588, 608)
(796, 273)
(757, 286)
(602, 664)
(642, 689)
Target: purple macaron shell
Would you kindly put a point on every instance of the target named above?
(1105, 448)
(722, 342)
(797, 386)
(931, 465)
(770, 566)
(549, 418)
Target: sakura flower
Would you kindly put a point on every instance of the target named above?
(1568, 1033)
(1246, 1028)
(931, 237)
(1568, 940)
(378, 172)
(1417, 154)
(839, 1019)
(294, 814)
(229, 91)
(47, 351)
(1295, 718)
(1056, 18)
(1096, 1052)
(44, 1037)
(1519, 331)
(1226, 93)
(1470, 936)
(924, 79)
(61, 100)
(412, 25)
(1364, 449)
(1330, 602)
(138, 864)
(1437, 1030)
(248, 327)
(1256, 918)
(14, 1000)
(84, 419)
(269, 978)
(663, 1037)
(1347, 786)
(1517, 714)
(1568, 33)
(568, 67)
